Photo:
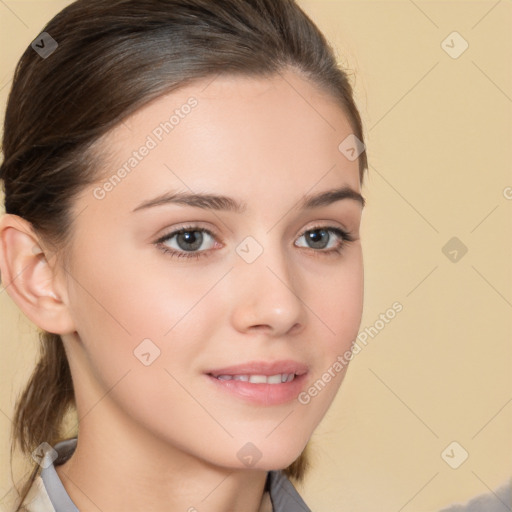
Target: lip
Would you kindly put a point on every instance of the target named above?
(261, 368)
(260, 393)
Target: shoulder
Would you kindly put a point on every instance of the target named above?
(283, 494)
(37, 499)
(499, 500)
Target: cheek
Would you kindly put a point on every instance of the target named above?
(337, 305)
(127, 298)
(122, 319)
(335, 317)
(134, 319)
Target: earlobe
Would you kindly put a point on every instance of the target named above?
(29, 278)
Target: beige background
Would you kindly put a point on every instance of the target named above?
(439, 138)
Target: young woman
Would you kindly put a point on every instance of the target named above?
(183, 201)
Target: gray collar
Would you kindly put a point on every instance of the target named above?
(283, 494)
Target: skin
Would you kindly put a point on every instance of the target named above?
(163, 427)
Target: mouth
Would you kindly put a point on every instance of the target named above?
(260, 382)
(278, 378)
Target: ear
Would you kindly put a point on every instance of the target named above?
(30, 278)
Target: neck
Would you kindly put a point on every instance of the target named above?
(146, 478)
(119, 464)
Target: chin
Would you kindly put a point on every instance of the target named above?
(274, 455)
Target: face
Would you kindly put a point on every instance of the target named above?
(168, 295)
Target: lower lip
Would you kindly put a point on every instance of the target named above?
(262, 394)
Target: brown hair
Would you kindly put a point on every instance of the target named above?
(112, 58)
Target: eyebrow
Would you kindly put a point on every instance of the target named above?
(224, 203)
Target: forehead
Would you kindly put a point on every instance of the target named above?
(253, 137)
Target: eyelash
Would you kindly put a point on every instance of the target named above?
(345, 236)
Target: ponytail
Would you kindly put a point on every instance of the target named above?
(40, 409)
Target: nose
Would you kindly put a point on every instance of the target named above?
(267, 295)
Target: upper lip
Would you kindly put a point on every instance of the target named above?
(262, 368)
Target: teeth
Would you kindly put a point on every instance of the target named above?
(260, 379)
(257, 379)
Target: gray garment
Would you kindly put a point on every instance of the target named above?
(497, 501)
(283, 495)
